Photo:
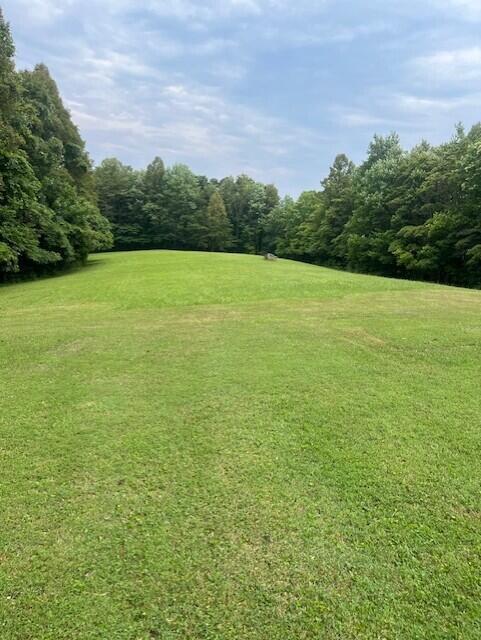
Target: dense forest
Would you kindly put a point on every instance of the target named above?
(175, 209)
(410, 214)
(49, 217)
(413, 214)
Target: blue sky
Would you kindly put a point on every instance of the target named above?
(272, 88)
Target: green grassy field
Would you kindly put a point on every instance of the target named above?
(209, 446)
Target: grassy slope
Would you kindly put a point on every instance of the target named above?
(216, 446)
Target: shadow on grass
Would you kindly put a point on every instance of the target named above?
(92, 263)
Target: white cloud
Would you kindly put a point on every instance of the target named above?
(212, 10)
(432, 105)
(196, 11)
(46, 10)
(190, 123)
(448, 67)
(464, 9)
(359, 119)
(111, 63)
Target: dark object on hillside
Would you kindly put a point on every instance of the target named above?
(270, 256)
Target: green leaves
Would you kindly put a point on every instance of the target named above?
(48, 215)
(175, 209)
(219, 229)
(415, 214)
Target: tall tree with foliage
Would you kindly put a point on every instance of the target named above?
(48, 215)
(179, 219)
(219, 229)
(57, 155)
(19, 207)
(331, 212)
(368, 233)
(121, 200)
(414, 214)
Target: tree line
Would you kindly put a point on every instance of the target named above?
(413, 214)
(410, 214)
(172, 208)
(49, 218)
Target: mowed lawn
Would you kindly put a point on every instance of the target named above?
(207, 446)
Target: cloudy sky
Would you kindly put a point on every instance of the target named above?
(272, 88)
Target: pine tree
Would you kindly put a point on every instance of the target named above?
(153, 178)
(219, 230)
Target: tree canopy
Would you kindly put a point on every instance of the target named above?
(48, 213)
(172, 208)
(413, 214)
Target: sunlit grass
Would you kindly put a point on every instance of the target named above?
(220, 447)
